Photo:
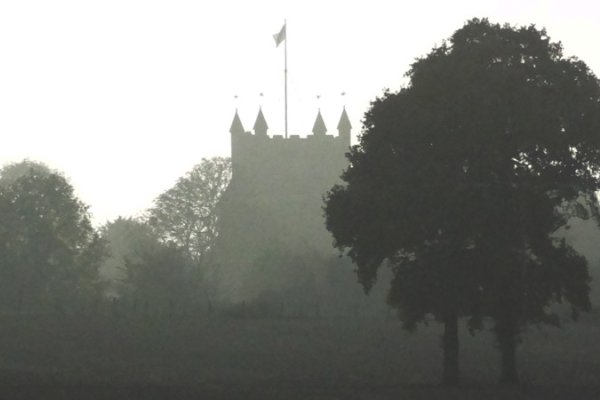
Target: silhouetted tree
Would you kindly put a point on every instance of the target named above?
(460, 180)
(186, 214)
(164, 274)
(127, 239)
(48, 246)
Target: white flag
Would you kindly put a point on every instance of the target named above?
(279, 37)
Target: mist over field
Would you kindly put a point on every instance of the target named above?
(435, 238)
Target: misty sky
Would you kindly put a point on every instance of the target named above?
(125, 96)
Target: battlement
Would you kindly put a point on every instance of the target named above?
(319, 129)
(259, 154)
(291, 138)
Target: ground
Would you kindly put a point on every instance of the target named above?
(180, 357)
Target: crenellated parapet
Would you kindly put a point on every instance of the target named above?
(319, 128)
(254, 151)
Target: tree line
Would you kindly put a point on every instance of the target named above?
(53, 259)
(52, 256)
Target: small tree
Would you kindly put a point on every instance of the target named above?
(164, 274)
(460, 178)
(127, 239)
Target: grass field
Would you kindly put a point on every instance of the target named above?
(97, 357)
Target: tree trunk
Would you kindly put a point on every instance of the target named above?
(507, 336)
(450, 346)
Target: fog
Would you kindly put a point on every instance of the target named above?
(163, 234)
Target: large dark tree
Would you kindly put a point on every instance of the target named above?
(461, 178)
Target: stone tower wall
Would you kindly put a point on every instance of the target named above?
(275, 199)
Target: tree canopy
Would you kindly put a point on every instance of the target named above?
(48, 246)
(461, 178)
(164, 273)
(127, 240)
(186, 214)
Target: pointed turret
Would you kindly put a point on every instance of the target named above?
(236, 126)
(344, 126)
(260, 126)
(319, 127)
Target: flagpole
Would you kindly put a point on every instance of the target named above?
(285, 73)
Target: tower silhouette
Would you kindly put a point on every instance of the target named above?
(275, 198)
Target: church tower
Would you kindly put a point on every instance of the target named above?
(274, 201)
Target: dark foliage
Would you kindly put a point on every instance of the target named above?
(49, 251)
(461, 178)
(166, 274)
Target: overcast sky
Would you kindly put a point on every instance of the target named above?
(125, 96)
